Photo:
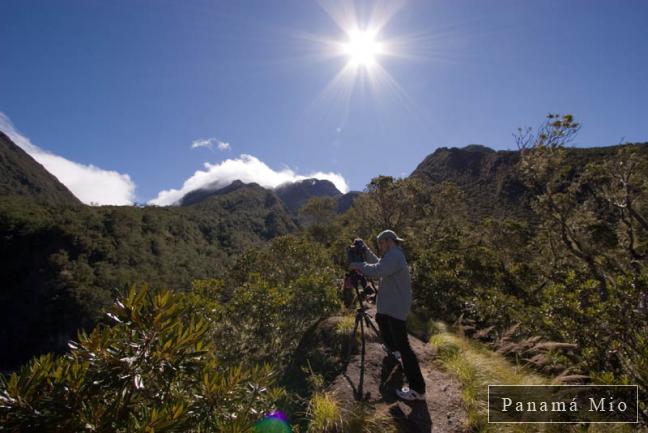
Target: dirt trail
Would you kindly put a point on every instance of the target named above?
(442, 411)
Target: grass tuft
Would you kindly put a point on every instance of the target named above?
(475, 366)
(345, 325)
(324, 414)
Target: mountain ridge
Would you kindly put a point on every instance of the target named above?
(21, 174)
(490, 178)
(293, 195)
(296, 194)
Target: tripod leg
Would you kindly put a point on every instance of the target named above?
(362, 361)
(353, 339)
(371, 325)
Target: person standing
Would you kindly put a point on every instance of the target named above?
(393, 304)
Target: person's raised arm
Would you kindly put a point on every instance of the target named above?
(389, 264)
(370, 257)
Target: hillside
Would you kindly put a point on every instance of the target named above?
(222, 256)
(62, 261)
(295, 194)
(21, 175)
(62, 265)
(254, 204)
(292, 195)
(345, 201)
(491, 179)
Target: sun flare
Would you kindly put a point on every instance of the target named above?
(366, 46)
(362, 48)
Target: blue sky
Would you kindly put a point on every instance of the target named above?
(124, 87)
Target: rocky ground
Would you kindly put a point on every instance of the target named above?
(441, 412)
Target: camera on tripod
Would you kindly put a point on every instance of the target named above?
(354, 280)
(355, 252)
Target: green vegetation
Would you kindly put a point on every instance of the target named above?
(541, 254)
(324, 415)
(153, 370)
(574, 275)
(268, 300)
(62, 265)
(477, 365)
(207, 359)
(20, 175)
(317, 216)
(345, 326)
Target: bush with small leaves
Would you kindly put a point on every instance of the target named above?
(154, 370)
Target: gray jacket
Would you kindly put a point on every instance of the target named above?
(395, 290)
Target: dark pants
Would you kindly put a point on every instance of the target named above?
(394, 333)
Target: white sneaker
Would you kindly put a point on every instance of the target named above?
(409, 394)
(396, 354)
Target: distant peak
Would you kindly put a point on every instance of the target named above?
(214, 189)
(312, 181)
(295, 194)
(478, 148)
(472, 148)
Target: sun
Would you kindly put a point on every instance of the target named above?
(362, 48)
(366, 45)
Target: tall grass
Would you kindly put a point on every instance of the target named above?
(326, 415)
(476, 366)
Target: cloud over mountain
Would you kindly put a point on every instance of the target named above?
(246, 168)
(89, 183)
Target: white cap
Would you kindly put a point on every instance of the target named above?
(389, 234)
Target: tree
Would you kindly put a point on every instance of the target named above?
(317, 216)
(565, 216)
(622, 183)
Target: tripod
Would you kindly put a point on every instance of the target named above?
(361, 318)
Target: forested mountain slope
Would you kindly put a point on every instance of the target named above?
(21, 175)
(491, 179)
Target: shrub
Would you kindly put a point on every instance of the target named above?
(154, 370)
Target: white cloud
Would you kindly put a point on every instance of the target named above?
(91, 184)
(246, 168)
(209, 144)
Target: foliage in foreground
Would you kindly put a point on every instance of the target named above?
(203, 360)
(325, 414)
(154, 370)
